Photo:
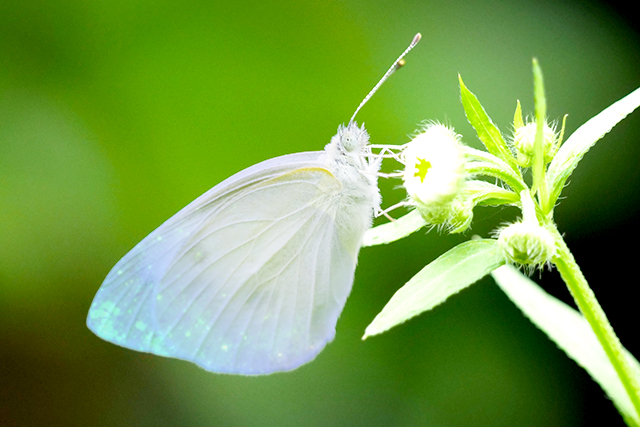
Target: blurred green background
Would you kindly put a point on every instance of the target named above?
(115, 114)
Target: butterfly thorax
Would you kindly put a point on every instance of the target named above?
(351, 162)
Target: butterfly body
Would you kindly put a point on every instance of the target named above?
(252, 276)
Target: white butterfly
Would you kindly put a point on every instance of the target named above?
(250, 277)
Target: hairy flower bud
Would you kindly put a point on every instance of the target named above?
(524, 142)
(526, 243)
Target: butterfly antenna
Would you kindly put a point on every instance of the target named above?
(396, 65)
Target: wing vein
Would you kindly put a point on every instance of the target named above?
(315, 218)
(213, 262)
(275, 275)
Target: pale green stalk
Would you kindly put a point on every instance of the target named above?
(592, 311)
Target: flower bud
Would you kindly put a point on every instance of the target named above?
(527, 243)
(461, 215)
(524, 142)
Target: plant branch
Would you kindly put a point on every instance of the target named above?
(593, 313)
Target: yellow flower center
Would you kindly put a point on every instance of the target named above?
(422, 168)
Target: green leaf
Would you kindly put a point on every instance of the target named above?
(540, 102)
(488, 132)
(517, 117)
(571, 332)
(585, 137)
(482, 163)
(392, 231)
(564, 124)
(486, 194)
(453, 271)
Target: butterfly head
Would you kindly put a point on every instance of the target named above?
(351, 139)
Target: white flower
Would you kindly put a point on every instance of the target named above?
(434, 171)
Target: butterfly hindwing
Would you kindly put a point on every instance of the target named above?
(251, 292)
(249, 278)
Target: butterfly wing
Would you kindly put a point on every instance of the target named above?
(249, 278)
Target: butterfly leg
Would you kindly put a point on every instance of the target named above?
(386, 211)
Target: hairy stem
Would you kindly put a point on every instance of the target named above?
(591, 310)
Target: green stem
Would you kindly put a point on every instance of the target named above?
(590, 308)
